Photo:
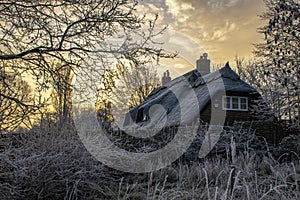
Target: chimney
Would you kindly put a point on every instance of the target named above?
(166, 78)
(203, 64)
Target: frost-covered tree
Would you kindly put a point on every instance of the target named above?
(279, 55)
(252, 72)
(78, 34)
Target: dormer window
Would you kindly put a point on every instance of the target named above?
(235, 103)
(141, 116)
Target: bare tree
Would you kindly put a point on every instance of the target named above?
(126, 86)
(15, 101)
(77, 34)
(279, 54)
(134, 84)
(61, 96)
(103, 101)
(253, 72)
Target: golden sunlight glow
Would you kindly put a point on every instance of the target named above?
(225, 29)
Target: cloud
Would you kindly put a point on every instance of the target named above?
(224, 28)
(223, 3)
(179, 66)
(179, 10)
(184, 45)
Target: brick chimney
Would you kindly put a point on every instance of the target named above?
(203, 64)
(166, 78)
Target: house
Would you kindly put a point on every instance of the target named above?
(197, 95)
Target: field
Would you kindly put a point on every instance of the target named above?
(52, 163)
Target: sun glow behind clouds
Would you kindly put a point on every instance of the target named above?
(224, 28)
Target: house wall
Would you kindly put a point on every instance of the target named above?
(231, 116)
(272, 131)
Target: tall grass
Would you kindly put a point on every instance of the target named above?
(219, 180)
(52, 163)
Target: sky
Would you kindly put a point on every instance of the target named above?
(222, 28)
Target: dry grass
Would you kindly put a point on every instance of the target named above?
(51, 163)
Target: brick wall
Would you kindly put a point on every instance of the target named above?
(231, 116)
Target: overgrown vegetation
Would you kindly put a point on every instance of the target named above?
(46, 164)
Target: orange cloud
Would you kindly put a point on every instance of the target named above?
(224, 28)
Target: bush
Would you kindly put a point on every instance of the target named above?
(288, 149)
(52, 164)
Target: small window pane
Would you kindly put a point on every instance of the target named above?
(235, 103)
(243, 103)
(243, 106)
(243, 100)
(227, 102)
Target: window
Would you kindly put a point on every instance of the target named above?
(141, 116)
(235, 103)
